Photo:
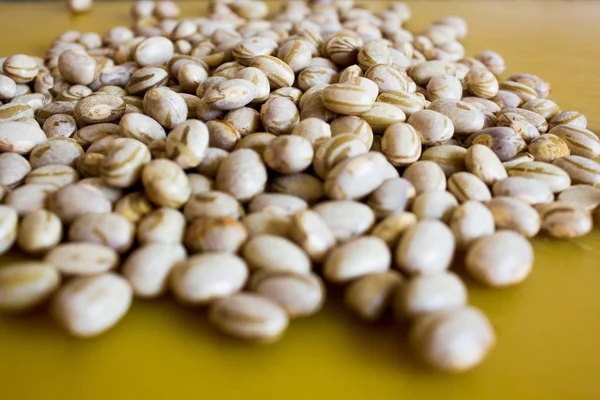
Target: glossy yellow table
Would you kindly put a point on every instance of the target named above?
(548, 328)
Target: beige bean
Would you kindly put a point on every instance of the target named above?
(25, 285)
(215, 234)
(557, 179)
(269, 252)
(392, 196)
(187, 144)
(110, 229)
(90, 134)
(60, 125)
(546, 108)
(165, 183)
(13, 112)
(39, 231)
(200, 279)
(260, 81)
(20, 68)
(587, 197)
(315, 75)
(311, 232)
(401, 144)
(382, 115)
(466, 186)
(465, 118)
(346, 219)
(304, 186)
(355, 177)
(8, 228)
(356, 258)
(269, 222)
(426, 294)
(482, 162)
(581, 142)
(244, 120)
(581, 170)
(529, 190)
(355, 125)
(249, 316)
(29, 198)
(450, 158)
(548, 148)
(124, 162)
(99, 108)
(13, 169)
(278, 72)
(145, 79)
(489, 262)
(57, 150)
(470, 221)
(165, 106)
(8, 88)
(279, 116)
(481, 83)
(433, 127)
(242, 174)
(568, 118)
(142, 128)
(289, 154)
(393, 226)
(88, 306)
(212, 204)
(301, 295)
(313, 130)
(537, 120)
(425, 176)
(73, 201)
(423, 72)
(20, 137)
(57, 175)
(408, 102)
(334, 150)
(148, 267)
(565, 220)
(445, 86)
(453, 340)
(510, 213)
(434, 204)
(82, 258)
(77, 67)
(369, 296)
(153, 51)
(283, 203)
(414, 253)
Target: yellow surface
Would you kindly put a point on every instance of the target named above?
(548, 328)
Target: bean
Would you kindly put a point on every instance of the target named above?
(470, 221)
(111, 230)
(356, 258)
(434, 204)
(73, 201)
(414, 254)
(13, 169)
(425, 176)
(269, 252)
(25, 285)
(581, 170)
(489, 262)
(466, 186)
(587, 197)
(39, 232)
(557, 179)
(289, 154)
(20, 137)
(369, 296)
(346, 218)
(565, 220)
(29, 198)
(124, 162)
(548, 148)
(165, 106)
(482, 162)
(90, 305)
(581, 142)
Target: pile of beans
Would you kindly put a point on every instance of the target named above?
(243, 159)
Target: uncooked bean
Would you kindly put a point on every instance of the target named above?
(289, 154)
(434, 204)
(73, 201)
(213, 203)
(56, 151)
(465, 118)
(99, 108)
(401, 144)
(466, 186)
(355, 125)
(529, 190)
(392, 196)
(244, 120)
(39, 231)
(249, 316)
(557, 179)
(153, 51)
(425, 294)
(450, 158)
(414, 253)
(587, 197)
(314, 130)
(25, 285)
(88, 306)
(573, 118)
(369, 296)
(77, 67)
(580, 169)
(565, 220)
(334, 150)
(470, 221)
(165, 106)
(356, 258)
(110, 229)
(14, 168)
(454, 340)
(148, 267)
(142, 128)
(425, 176)
(271, 222)
(548, 148)
(382, 115)
(581, 142)
(60, 125)
(242, 174)
(268, 252)
(482, 162)
(124, 162)
(433, 127)
(82, 258)
(29, 198)
(20, 137)
(278, 72)
(215, 234)
(505, 142)
(305, 186)
(489, 261)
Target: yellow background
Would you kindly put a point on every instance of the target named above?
(548, 328)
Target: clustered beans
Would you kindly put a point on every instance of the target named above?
(243, 160)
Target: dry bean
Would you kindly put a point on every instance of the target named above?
(529, 190)
(425, 294)
(56, 151)
(270, 222)
(516, 215)
(537, 120)
(269, 252)
(449, 157)
(334, 150)
(163, 225)
(346, 219)
(382, 115)
(581, 142)
(300, 295)
(153, 51)
(77, 67)
(279, 116)
(470, 221)
(355, 125)
(433, 128)
(249, 316)
(356, 258)
(245, 120)
(242, 174)
(289, 154)
(548, 148)
(568, 118)
(425, 176)
(557, 179)
(466, 186)
(20, 137)
(434, 204)
(99, 108)
(124, 162)
(482, 162)
(148, 267)
(408, 102)
(369, 297)
(165, 106)
(20, 68)
(393, 226)
(445, 87)
(565, 220)
(453, 340)
(423, 72)
(82, 258)
(111, 230)
(39, 231)
(60, 125)
(580, 169)
(25, 285)
(28, 198)
(587, 197)
(278, 72)
(142, 128)
(88, 306)
(305, 186)
(505, 142)
(414, 253)
(489, 262)
(13, 169)
(215, 234)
